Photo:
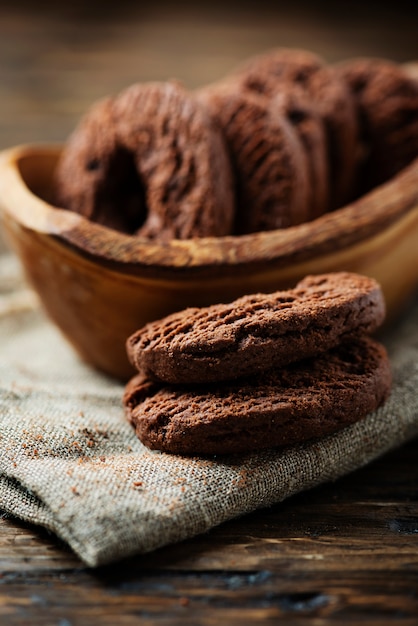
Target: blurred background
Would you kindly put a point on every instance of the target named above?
(56, 58)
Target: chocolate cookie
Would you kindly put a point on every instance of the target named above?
(309, 127)
(284, 69)
(96, 177)
(387, 100)
(271, 169)
(306, 400)
(256, 332)
(150, 162)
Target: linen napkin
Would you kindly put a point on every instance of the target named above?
(69, 460)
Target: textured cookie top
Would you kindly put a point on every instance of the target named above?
(257, 331)
(151, 162)
(285, 69)
(387, 100)
(308, 399)
(309, 126)
(270, 166)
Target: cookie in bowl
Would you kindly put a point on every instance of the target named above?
(108, 265)
(301, 73)
(148, 162)
(386, 97)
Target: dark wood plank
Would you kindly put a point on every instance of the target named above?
(342, 551)
(57, 58)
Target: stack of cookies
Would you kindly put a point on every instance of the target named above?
(266, 370)
(280, 141)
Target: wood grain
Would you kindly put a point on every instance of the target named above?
(82, 270)
(344, 551)
(57, 58)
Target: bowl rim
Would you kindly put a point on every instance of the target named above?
(350, 225)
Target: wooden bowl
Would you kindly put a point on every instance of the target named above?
(99, 286)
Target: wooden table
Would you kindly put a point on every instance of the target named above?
(345, 552)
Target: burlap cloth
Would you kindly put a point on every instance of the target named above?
(70, 462)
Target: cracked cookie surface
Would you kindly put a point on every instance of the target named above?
(149, 162)
(386, 97)
(270, 167)
(259, 331)
(308, 399)
(283, 70)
